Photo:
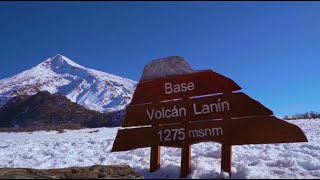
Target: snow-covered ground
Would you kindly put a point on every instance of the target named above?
(42, 150)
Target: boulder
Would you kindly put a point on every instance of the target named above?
(163, 67)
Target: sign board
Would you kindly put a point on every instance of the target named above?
(183, 86)
(204, 108)
(187, 109)
(256, 130)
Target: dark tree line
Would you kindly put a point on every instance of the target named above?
(306, 115)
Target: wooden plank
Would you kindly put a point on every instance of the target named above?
(255, 130)
(268, 130)
(203, 108)
(193, 84)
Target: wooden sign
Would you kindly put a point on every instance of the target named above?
(255, 130)
(183, 86)
(204, 108)
(187, 109)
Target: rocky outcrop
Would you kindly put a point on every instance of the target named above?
(91, 172)
(163, 67)
(45, 110)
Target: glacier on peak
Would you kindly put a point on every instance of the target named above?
(60, 60)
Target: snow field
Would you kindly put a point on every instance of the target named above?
(42, 150)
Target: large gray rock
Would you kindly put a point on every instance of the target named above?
(163, 67)
(92, 172)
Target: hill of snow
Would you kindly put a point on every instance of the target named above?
(42, 150)
(90, 88)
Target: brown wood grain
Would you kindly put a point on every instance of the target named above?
(205, 82)
(240, 105)
(255, 130)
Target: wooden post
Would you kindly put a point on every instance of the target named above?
(226, 150)
(154, 158)
(226, 158)
(185, 150)
(155, 155)
(185, 161)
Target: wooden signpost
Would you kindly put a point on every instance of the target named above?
(198, 107)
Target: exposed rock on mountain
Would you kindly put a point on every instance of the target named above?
(44, 110)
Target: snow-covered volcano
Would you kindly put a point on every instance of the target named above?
(90, 88)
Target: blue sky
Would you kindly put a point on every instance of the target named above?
(271, 49)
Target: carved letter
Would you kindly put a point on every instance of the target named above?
(150, 115)
(168, 88)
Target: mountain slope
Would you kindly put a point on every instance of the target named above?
(44, 110)
(90, 88)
